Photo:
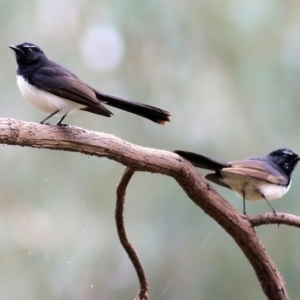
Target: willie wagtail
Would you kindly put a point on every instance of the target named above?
(253, 179)
(54, 90)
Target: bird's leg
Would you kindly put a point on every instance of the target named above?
(274, 211)
(42, 122)
(244, 202)
(59, 122)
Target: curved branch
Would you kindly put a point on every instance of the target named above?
(13, 132)
(121, 191)
(270, 218)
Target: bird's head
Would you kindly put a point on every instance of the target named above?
(27, 53)
(286, 159)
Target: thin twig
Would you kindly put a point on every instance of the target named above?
(121, 191)
(270, 218)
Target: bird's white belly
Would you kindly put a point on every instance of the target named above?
(45, 101)
(253, 189)
(272, 192)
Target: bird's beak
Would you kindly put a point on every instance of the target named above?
(16, 49)
(297, 158)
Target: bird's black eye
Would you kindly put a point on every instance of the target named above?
(285, 156)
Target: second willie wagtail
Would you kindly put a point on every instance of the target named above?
(254, 179)
(56, 91)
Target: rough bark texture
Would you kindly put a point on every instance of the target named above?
(137, 158)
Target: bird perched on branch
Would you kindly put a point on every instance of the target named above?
(56, 91)
(255, 178)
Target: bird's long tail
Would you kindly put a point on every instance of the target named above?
(152, 113)
(202, 161)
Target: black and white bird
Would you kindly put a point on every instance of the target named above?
(255, 178)
(56, 91)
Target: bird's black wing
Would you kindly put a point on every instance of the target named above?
(257, 169)
(62, 83)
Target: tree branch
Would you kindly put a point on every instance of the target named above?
(270, 218)
(121, 191)
(13, 132)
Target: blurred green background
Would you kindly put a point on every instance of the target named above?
(228, 71)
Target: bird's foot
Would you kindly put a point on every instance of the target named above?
(62, 125)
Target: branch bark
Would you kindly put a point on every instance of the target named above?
(270, 218)
(121, 191)
(137, 158)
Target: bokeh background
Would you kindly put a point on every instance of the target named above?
(227, 70)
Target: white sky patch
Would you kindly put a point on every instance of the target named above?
(102, 48)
